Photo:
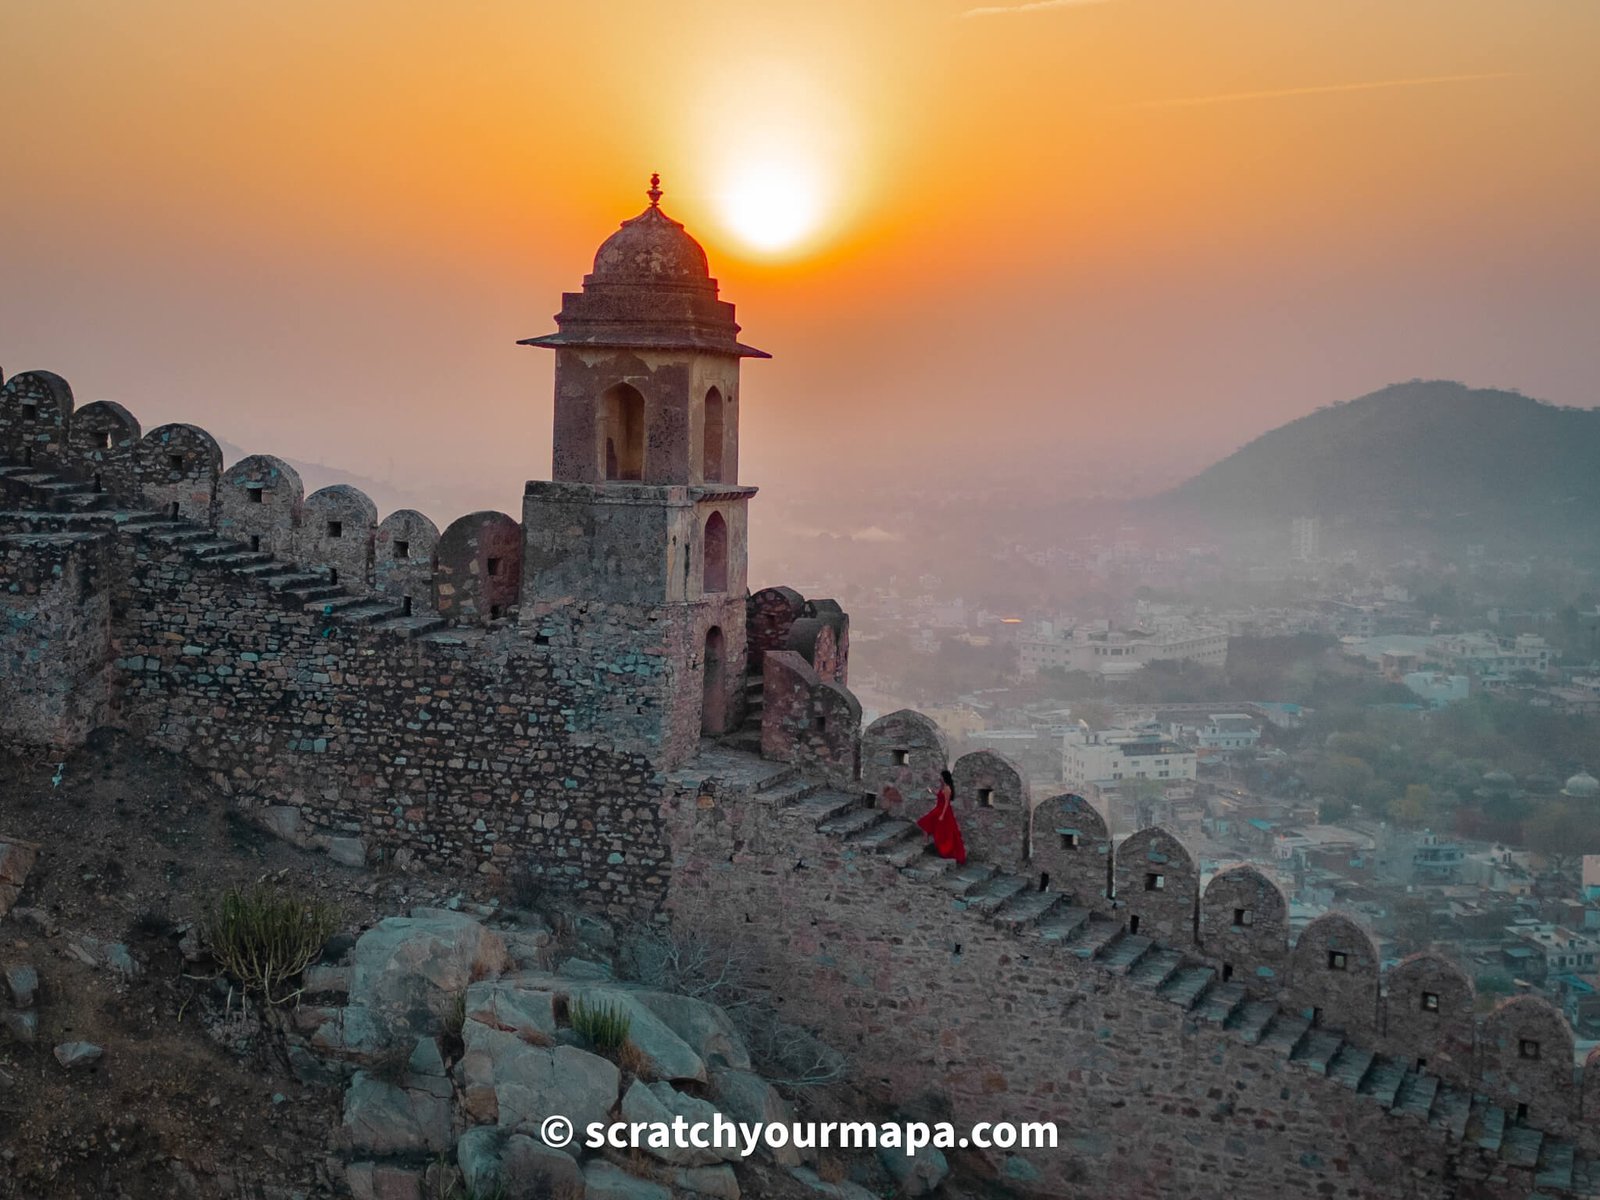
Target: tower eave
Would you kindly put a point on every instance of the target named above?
(643, 341)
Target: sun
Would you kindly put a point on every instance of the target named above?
(770, 205)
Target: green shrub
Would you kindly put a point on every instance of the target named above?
(604, 1026)
(265, 936)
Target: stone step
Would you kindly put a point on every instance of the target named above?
(964, 879)
(792, 792)
(366, 611)
(1186, 985)
(1027, 908)
(746, 739)
(1093, 935)
(1317, 1050)
(886, 835)
(782, 777)
(1250, 1019)
(240, 558)
(296, 578)
(912, 851)
(1155, 968)
(851, 821)
(1383, 1081)
(1221, 1000)
(182, 535)
(1487, 1124)
(929, 868)
(754, 685)
(1283, 1033)
(217, 547)
(1415, 1097)
(1350, 1066)
(826, 805)
(1556, 1162)
(1120, 957)
(411, 626)
(1062, 925)
(1451, 1109)
(989, 896)
(269, 568)
(309, 595)
(1520, 1146)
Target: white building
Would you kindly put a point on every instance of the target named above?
(1112, 652)
(1094, 762)
(1228, 731)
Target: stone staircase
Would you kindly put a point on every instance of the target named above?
(1016, 903)
(295, 584)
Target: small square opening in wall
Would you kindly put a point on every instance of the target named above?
(336, 529)
(1227, 972)
(1154, 881)
(820, 724)
(402, 549)
(1244, 918)
(491, 567)
(102, 440)
(255, 543)
(986, 797)
(405, 606)
(333, 575)
(1069, 840)
(174, 462)
(1430, 1001)
(901, 757)
(1133, 923)
(1315, 1016)
(1522, 1112)
(256, 494)
(1527, 1048)
(494, 612)
(1338, 960)
(30, 411)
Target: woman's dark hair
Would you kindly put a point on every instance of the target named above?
(950, 779)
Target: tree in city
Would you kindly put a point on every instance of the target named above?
(1563, 831)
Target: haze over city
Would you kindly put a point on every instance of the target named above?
(1099, 243)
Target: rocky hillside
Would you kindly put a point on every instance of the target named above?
(1432, 457)
(416, 1058)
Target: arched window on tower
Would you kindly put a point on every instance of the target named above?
(712, 459)
(622, 432)
(716, 543)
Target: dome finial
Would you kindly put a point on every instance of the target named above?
(655, 190)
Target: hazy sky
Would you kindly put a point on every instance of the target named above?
(1071, 236)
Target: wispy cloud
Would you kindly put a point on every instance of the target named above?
(1324, 89)
(999, 10)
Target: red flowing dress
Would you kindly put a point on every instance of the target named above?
(940, 824)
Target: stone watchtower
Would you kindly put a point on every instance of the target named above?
(636, 546)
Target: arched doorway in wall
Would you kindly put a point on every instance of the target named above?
(622, 433)
(714, 706)
(711, 458)
(716, 555)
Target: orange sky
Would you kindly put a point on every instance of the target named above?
(1084, 238)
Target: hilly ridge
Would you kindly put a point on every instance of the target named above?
(1425, 458)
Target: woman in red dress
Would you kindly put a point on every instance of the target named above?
(939, 822)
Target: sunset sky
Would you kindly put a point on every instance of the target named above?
(1072, 237)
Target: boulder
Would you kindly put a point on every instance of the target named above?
(496, 1162)
(353, 1034)
(409, 972)
(505, 1080)
(665, 1054)
(23, 984)
(347, 851)
(21, 1026)
(284, 821)
(606, 1181)
(384, 1118)
(16, 860)
(843, 1190)
(502, 1004)
(751, 1100)
(380, 1181)
(707, 1029)
(77, 1054)
(719, 1182)
(916, 1174)
(658, 1104)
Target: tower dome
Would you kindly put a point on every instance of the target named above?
(651, 248)
(1582, 785)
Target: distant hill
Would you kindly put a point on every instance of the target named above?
(1426, 457)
